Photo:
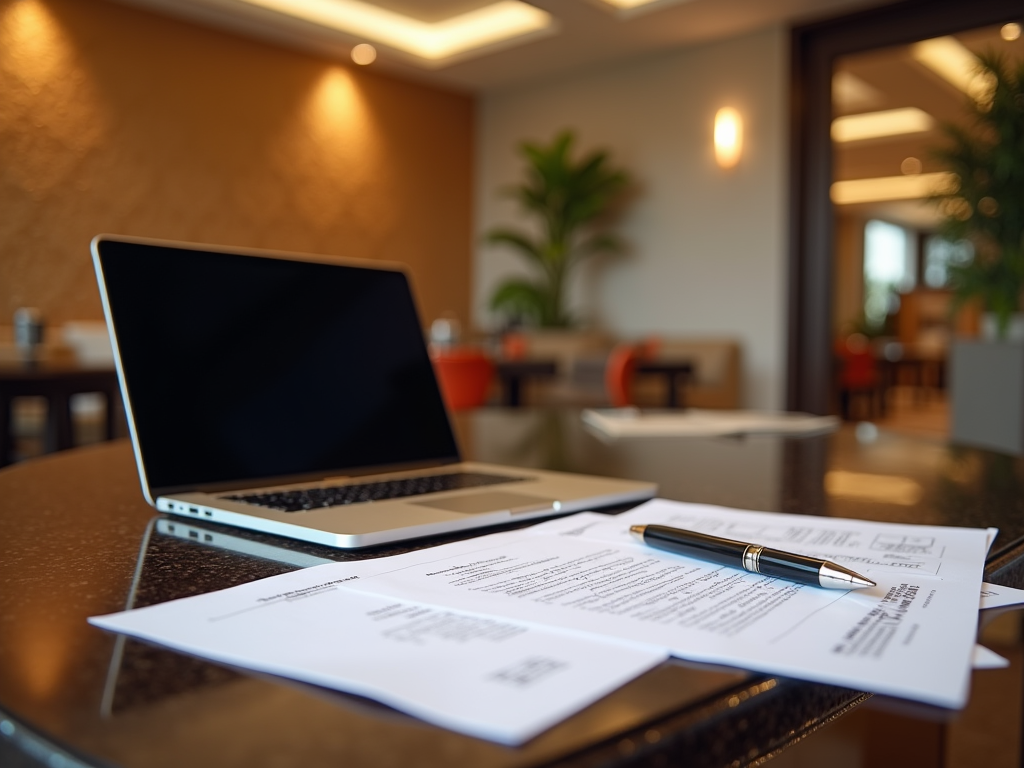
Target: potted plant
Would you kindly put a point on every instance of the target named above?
(571, 201)
(986, 206)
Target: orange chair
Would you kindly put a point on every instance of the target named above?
(621, 368)
(464, 375)
(619, 372)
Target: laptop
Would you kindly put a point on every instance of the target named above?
(294, 395)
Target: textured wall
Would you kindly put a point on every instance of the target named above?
(116, 120)
(707, 247)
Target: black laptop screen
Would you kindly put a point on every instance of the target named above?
(244, 367)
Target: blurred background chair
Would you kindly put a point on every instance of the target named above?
(464, 375)
(620, 369)
(860, 383)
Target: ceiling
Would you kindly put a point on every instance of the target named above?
(584, 33)
(893, 78)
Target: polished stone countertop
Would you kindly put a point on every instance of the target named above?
(79, 540)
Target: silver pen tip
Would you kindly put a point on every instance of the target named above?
(637, 531)
(834, 576)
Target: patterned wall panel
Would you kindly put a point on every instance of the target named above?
(113, 119)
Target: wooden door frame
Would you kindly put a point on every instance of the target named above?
(814, 50)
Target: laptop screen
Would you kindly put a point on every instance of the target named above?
(242, 367)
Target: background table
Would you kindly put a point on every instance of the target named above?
(513, 372)
(676, 373)
(79, 540)
(56, 382)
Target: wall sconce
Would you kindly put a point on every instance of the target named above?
(728, 137)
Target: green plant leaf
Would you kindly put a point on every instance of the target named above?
(570, 200)
(519, 298)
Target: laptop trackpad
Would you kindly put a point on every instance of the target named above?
(490, 501)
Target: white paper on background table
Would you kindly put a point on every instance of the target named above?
(695, 422)
(492, 678)
(911, 636)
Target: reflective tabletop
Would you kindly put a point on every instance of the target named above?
(79, 540)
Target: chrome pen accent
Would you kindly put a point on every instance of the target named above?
(751, 557)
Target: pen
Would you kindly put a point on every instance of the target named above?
(750, 557)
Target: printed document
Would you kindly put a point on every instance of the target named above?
(493, 678)
(911, 636)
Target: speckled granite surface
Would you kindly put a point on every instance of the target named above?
(79, 540)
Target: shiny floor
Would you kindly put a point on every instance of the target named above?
(921, 412)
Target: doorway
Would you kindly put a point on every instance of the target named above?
(817, 49)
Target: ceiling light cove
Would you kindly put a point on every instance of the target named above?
(954, 63)
(916, 187)
(876, 125)
(432, 43)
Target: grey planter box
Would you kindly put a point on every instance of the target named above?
(986, 381)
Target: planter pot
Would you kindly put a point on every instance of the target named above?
(990, 328)
(986, 381)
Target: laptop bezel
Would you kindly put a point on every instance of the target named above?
(342, 474)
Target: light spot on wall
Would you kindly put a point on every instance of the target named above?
(31, 44)
(52, 114)
(335, 151)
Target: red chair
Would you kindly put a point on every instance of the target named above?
(464, 375)
(859, 378)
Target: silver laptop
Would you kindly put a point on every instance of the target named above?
(294, 395)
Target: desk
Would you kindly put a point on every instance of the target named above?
(74, 533)
(676, 372)
(57, 382)
(513, 372)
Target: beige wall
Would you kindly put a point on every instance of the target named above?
(113, 119)
(707, 248)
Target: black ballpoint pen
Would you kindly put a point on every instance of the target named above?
(751, 557)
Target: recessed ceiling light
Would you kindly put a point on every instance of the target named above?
(364, 54)
(954, 63)
(1010, 32)
(917, 187)
(429, 41)
(874, 125)
(911, 166)
(628, 7)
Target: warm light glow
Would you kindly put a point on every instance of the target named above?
(887, 489)
(874, 125)
(432, 41)
(954, 63)
(626, 4)
(32, 43)
(364, 54)
(1010, 32)
(911, 166)
(890, 188)
(728, 137)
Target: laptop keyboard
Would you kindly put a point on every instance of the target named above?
(334, 496)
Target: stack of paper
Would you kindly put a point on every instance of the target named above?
(503, 635)
(614, 423)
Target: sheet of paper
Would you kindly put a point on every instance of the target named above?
(986, 658)
(492, 678)
(995, 596)
(586, 573)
